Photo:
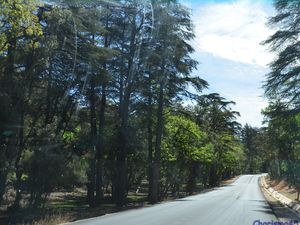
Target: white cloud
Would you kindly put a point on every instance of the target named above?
(227, 44)
(236, 81)
(233, 30)
(250, 107)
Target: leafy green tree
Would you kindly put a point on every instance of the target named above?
(20, 30)
(171, 65)
(282, 89)
(282, 82)
(249, 136)
(283, 137)
(215, 116)
(93, 94)
(185, 144)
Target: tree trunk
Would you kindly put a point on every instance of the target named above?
(212, 175)
(121, 181)
(16, 204)
(7, 89)
(93, 136)
(191, 185)
(150, 139)
(121, 150)
(20, 107)
(154, 198)
(100, 149)
(121, 154)
(3, 176)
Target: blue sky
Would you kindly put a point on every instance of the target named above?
(227, 44)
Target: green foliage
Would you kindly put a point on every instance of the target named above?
(18, 20)
(282, 89)
(283, 142)
(84, 92)
(282, 82)
(184, 141)
(46, 171)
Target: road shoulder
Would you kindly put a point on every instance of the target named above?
(282, 212)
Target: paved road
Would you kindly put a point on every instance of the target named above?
(240, 203)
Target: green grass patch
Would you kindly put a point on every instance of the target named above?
(137, 198)
(66, 204)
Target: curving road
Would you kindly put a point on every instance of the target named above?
(240, 203)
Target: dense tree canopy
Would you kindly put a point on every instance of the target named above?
(282, 88)
(93, 95)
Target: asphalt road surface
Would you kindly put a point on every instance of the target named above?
(240, 203)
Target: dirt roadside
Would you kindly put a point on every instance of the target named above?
(85, 213)
(282, 212)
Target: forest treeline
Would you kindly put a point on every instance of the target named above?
(95, 94)
(276, 147)
(282, 90)
(105, 96)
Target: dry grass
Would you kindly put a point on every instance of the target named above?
(283, 187)
(50, 220)
(229, 181)
(71, 206)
